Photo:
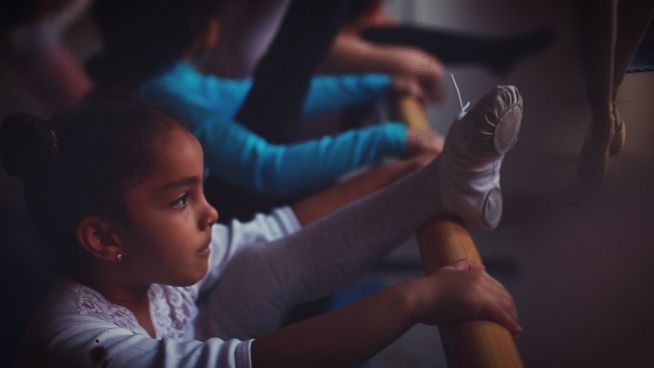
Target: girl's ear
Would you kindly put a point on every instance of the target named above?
(99, 237)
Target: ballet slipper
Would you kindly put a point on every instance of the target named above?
(469, 166)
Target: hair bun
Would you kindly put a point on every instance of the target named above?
(27, 145)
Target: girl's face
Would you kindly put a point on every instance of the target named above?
(167, 229)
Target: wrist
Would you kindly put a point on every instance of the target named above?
(412, 302)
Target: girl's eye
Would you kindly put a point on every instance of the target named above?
(180, 202)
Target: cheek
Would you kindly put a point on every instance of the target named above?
(169, 257)
(148, 248)
(155, 234)
(162, 248)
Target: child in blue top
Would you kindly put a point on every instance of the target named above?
(224, 96)
(150, 63)
(208, 104)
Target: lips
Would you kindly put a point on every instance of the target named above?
(205, 250)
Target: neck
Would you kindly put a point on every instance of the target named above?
(118, 291)
(133, 297)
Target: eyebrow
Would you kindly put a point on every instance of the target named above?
(186, 181)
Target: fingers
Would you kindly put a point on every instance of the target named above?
(408, 85)
(436, 142)
(501, 306)
(466, 292)
(509, 313)
(433, 88)
(507, 299)
(424, 88)
(462, 264)
(434, 81)
(477, 266)
(494, 301)
(505, 319)
(420, 66)
(414, 89)
(423, 141)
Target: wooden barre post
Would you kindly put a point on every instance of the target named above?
(475, 344)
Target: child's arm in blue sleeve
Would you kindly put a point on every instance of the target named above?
(222, 96)
(327, 93)
(245, 159)
(337, 92)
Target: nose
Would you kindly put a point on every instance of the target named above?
(210, 215)
(213, 215)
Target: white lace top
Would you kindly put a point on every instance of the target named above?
(79, 327)
(172, 310)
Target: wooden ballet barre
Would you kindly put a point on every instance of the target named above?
(474, 344)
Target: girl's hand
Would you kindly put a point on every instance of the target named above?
(421, 66)
(408, 85)
(463, 291)
(423, 141)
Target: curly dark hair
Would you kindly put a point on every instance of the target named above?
(80, 163)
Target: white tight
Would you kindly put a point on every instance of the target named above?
(265, 279)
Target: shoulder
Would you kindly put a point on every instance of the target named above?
(72, 317)
(179, 73)
(71, 303)
(80, 327)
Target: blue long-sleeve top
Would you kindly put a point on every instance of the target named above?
(240, 157)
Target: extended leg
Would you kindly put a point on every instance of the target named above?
(497, 54)
(337, 249)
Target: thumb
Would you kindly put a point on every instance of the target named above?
(460, 265)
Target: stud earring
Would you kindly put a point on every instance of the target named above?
(119, 257)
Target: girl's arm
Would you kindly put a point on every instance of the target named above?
(458, 292)
(343, 338)
(349, 336)
(247, 160)
(328, 93)
(352, 54)
(224, 96)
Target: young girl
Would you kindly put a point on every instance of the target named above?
(152, 281)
